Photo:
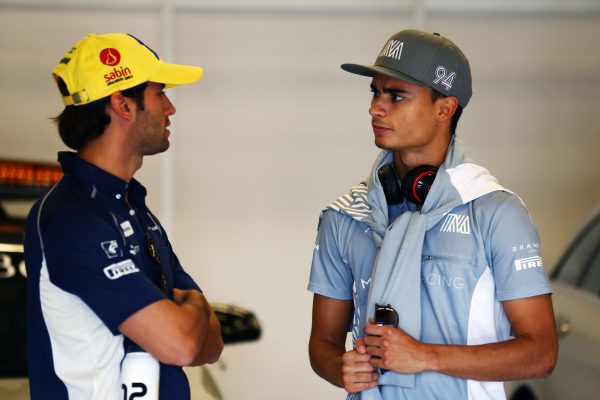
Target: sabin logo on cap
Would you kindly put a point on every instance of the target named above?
(94, 69)
(110, 57)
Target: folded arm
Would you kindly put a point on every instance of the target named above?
(180, 332)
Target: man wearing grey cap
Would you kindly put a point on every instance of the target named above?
(432, 264)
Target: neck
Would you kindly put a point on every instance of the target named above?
(112, 158)
(432, 154)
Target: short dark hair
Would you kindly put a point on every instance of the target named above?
(79, 125)
(435, 95)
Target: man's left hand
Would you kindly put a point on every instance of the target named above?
(393, 349)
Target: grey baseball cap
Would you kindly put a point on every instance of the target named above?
(422, 58)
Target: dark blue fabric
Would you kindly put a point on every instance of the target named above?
(82, 215)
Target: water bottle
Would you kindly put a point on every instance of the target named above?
(140, 373)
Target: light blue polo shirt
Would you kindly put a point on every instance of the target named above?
(480, 254)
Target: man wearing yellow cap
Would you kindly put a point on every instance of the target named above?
(103, 278)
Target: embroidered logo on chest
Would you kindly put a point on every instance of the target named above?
(111, 248)
(127, 228)
(456, 223)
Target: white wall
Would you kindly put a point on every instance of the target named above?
(275, 130)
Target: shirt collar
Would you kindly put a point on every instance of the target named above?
(103, 181)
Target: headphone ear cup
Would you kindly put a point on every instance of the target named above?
(417, 182)
(391, 185)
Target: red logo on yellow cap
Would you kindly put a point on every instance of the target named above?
(110, 57)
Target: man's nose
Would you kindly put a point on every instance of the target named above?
(377, 108)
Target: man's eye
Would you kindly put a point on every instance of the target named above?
(397, 98)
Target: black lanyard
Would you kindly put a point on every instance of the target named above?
(150, 247)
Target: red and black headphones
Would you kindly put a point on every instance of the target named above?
(414, 187)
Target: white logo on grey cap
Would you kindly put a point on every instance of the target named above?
(443, 76)
(392, 49)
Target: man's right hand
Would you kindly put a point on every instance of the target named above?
(181, 332)
(350, 370)
(357, 373)
(192, 297)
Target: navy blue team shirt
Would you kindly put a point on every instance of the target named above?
(88, 270)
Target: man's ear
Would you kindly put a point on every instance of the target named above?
(447, 108)
(122, 106)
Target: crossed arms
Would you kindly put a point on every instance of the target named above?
(181, 332)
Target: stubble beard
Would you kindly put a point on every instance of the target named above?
(152, 137)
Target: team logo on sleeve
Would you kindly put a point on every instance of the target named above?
(115, 271)
(111, 248)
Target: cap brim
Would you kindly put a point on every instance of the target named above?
(176, 74)
(370, 70)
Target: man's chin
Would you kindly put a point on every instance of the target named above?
(382, 145)
(158, 149)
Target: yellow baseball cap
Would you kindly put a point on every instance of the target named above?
(100, 65)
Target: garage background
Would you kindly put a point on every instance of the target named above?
(275, 130)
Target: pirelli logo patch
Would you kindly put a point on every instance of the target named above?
(529, 262)
(115, 271)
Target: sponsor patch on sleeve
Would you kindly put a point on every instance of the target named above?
(115, 271)
(529, 262)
